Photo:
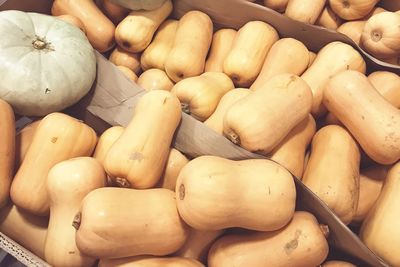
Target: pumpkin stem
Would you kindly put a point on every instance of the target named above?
(181, 191)
(122, 182)
(185, 108)
(324, 229)
(234, 138)
(76, 223)
(39, 44)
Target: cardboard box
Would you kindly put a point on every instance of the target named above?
(113, 97)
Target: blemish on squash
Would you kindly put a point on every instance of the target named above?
(76, 223)
(292, 244)
(47, 91)
(54, 139)
(346, 4)
(182, 192)
(136, 156)
(71, 252)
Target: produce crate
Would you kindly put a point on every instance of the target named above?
(113, 97)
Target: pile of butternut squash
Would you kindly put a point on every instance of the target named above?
(126, 197)
(367, 22)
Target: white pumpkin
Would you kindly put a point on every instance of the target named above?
(46, 64)
(139, 4)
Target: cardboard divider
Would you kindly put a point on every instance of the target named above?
(113, 97)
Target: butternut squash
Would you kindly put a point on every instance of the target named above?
(278, 5)
(150, 229)
(149, 261)
(99, 29)
(373, 121)
(333, 171)
(140, 4)
(284, 101)
(74, 21)
(338, 264)
(7, 150)
(352, 9)
(249, 49)
(312, 58)
(139, 155)
(200, 95)
(388, 85)
(106, 140)
(23, 140)
(155, 55)
(113, 11)
(58, 137)
(331, 59)
(329, 19)
(256, 188)
(155, 79)
(304, 11)
(24, 228)
(381, 35)
(301, 243)
(189, 51)
(121, 57)
(287, 55)
(216, 120)
(353, 30)
(291, 151)
(379, 230)
(198, 244)
(134, 33)
(68, 183)
(128, 73)
(220, 47)
(175, 162)
(371, 182)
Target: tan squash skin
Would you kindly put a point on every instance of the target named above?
(139, 155)
(200, 95)
(192, 40)
(198, 244)
(373, 121)
(26, 229)
(380, 231)
(267, 188)
(329, 19)
(155, 55)
(152, 229)
(337, 264)
(121, 57)
(381, 35)
(249, 50)
(304, 11)
(73, 20)
(287, 55)
(312, 58)
(128, 73)
(301, 243)
(375, 10)
(155, 79)
(291, 151)
(332, 171)
(175, 162)
(216, 120)
(58, 137)
(352, 9)
(220, 47)
(284, 101)
(23, 140)
(149, 261)
(106, 140)
(278, 5)
(113, 11)
(388, 85)
(371, 182)
(7, 150)
(331, 59)
(99, 29)
(68, 183)
(134, 33)
(352, 29)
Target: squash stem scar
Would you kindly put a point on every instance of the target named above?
(76, 223)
